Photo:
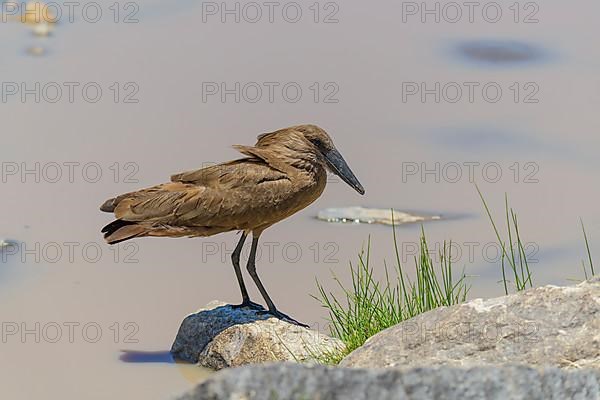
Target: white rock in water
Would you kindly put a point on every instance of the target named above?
(371, 216)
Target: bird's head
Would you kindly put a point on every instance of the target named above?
(322, 145)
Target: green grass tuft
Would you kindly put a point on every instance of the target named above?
(370, 306)
(589, 254)
(513, 252)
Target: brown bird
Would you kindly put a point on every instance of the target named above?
(283, 173)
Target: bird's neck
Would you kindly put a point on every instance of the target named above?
(304, 162)
(291, 161)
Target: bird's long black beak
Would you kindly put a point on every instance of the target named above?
(338, 166)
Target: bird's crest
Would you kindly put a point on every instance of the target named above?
(262, 154)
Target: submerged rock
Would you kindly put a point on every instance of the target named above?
(300, 382)
(371, 216)
(546, 326)
(220, 336)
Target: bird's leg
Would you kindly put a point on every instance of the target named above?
(252, 271)
(235, 259)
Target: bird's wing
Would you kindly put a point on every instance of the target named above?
(247, 171)
(231, 197)
(155, 203)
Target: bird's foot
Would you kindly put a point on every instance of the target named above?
(284, 317)
(249, 304)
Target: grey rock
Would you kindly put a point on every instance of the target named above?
(301, 382)
(220, 336)
(546, 326)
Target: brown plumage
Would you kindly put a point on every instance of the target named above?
(282, 174)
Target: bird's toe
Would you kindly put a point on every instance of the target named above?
(284, 317)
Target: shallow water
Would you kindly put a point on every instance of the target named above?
(535, 142)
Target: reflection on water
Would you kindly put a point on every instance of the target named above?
(190, 372)
(135, 356)
(499, 52)
(37, 51)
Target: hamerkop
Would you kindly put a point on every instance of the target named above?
(283, 173)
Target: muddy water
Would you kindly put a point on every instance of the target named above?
(82, 320)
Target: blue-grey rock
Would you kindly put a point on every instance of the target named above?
(220, 336)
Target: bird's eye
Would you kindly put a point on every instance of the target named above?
(317, 142)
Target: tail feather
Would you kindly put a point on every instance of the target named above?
(109, 205)
(120, 230)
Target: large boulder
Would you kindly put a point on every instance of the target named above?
(549, 326)
(301, 382)
(219, 336)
